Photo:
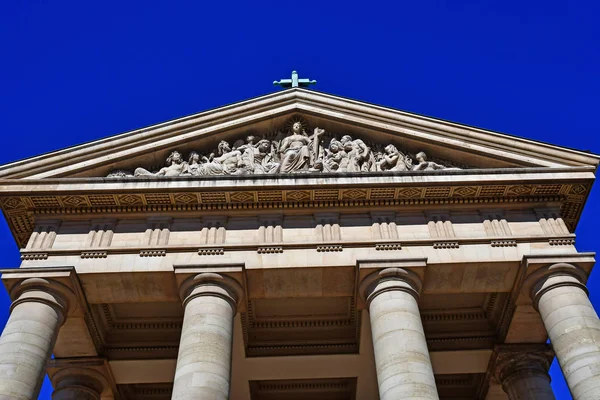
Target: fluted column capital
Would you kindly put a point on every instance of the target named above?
(46, 291)
(212, 284)
(556, 275)
(389, 279)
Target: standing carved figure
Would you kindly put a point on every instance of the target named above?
(333, 156)
(175, 167)
(352, 160)
(364, 155)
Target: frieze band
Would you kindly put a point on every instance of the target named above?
(294, 152)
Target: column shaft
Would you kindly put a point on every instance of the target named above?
(204, 361)
(27, 343)
(526, 385)
(574, 330)
(401, 356)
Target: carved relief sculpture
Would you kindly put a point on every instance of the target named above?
(294, 152)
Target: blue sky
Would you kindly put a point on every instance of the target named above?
(73, 72)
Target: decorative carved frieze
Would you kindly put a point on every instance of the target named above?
(21, 211)
(290, 150)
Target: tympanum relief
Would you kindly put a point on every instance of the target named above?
(295, 150)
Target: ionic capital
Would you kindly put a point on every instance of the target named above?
(556, 275)
(212, 284)
(390, 279)
(46, 291)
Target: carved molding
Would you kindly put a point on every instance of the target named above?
(562, 242)
(329, 248)
(212, 251)
(504, 243)
(208, 251)
(34, 256)
(153, 253)
(94, 254)
(388, 246)
(270, 249)
(21, 211)
(446, 245)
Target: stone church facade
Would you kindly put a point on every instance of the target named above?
(299, 245)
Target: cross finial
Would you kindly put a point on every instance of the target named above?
(294, 82)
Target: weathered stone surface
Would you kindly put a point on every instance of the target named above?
(572, 325)
(402, 360)
(204, 360)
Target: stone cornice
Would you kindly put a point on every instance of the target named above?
(405, 125)
(22, 200)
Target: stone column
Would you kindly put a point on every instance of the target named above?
(572, 324)
(523, 372)
(401, 356)
(78, 384)
(36, 314)
(204, 361)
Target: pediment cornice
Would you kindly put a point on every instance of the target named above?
(445, 139)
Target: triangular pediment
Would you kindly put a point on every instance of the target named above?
(446, 145)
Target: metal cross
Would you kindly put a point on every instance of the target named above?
(294, 82)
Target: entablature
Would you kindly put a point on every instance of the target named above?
(24, 201)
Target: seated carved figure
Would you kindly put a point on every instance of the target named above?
(392, 160)
(264, 159)
(295, 152)
(193, 167)
(175, 167)
(226, 163)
